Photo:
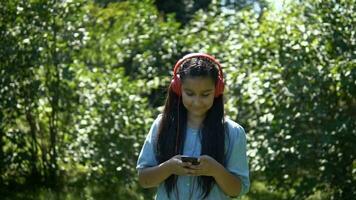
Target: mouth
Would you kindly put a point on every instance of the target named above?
(197, 109)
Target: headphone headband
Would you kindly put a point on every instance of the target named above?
(196, 55)
(176, 82)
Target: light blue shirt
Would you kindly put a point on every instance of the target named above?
(187, 186)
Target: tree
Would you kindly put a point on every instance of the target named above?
(183, 10)
(40, 38)
(291, 73)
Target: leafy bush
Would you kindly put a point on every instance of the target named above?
(80, 84)
(290, 78)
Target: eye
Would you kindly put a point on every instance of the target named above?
(189, 93)
(206, 94)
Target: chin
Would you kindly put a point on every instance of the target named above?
(202, 113)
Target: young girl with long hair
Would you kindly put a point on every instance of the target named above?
(193, 124)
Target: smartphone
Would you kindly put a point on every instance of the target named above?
(193, 160)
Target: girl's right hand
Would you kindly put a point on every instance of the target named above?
(178, 167)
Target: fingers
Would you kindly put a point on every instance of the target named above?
(195, 167)
(185, 164)
(177, 156)
(190, 169)
(192, 172)
(187, 168)
(182, 168)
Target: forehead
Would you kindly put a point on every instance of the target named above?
(198, 83)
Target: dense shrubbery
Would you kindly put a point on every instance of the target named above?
(81, 81)
(291, 78)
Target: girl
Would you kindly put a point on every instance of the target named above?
(193, 124)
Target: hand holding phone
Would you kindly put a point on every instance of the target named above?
(193, 160)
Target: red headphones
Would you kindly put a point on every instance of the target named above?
(176, 83)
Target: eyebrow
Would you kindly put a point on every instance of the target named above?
(190, 90)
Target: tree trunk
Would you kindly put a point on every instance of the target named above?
(2, 134)
(35, 175)
(54, 80)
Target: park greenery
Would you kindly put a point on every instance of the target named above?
(81, 81)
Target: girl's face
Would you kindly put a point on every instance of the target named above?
(198, 95)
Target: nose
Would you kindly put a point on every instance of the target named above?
(197, 101)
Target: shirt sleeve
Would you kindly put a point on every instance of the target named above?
(237, 162)
(147, 157)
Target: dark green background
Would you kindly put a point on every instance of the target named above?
(81, 82)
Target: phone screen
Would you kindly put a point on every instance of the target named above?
(190, 159)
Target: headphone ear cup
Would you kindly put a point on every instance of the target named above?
(176, 85)
(219, 88)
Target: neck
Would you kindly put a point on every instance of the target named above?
(195, 121)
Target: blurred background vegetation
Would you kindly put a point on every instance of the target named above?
(82, 80)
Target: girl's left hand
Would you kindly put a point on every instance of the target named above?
(208, 166)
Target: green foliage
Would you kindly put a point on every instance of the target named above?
(40, 38)
(131, 35)
(303, 121)
(111, 120)
(81, 81)
(290, 78)
(182, 10)
(62, 116)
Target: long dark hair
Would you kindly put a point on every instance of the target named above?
(174, 120)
